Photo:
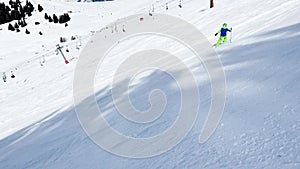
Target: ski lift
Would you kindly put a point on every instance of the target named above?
(42, 61)
(4, 77)
(123, 28)
(112, 29)
(116, 27)
(180, 6)
(12, 75)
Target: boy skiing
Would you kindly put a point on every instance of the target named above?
(223, 36)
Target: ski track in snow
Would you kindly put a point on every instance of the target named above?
(261, 123)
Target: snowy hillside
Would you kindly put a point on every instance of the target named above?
(260, 127)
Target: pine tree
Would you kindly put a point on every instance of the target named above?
(27, 32)
(23, 23)
(64, 18)
(46, 16)
(29, 14)
(16, 25)
(11, 28)
(62, 40)
(40, 8)
(55, 19)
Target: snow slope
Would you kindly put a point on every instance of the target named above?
(261, 123)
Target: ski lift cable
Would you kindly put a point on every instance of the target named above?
(51, 52)
(83, 37)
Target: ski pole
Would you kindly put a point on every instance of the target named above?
(231, 36)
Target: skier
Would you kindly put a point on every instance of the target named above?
(212, 3)
(223, 36)
(4, 76)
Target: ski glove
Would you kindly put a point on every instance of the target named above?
(216, 34)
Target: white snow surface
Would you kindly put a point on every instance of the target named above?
(260, 127)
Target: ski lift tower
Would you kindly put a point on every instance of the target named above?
(59, 49)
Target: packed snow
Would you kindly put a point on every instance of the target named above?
(260, 127)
